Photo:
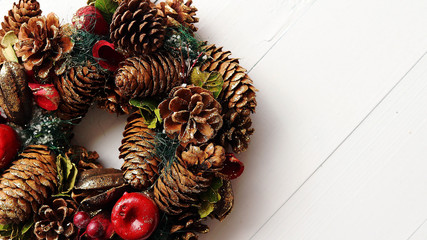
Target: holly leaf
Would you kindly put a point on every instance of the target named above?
(212, 81)
(149, 111)
(107, 8)
(7, 43)
(206, 209)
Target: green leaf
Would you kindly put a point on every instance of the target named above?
(210, 196)
(206, 209)
(67, 174)
(5, 227)
(149, 111)
(27, 226)
(212, 81)
(7, 43)
(107, 8)
(217, 183)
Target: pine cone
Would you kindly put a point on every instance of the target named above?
(27, 183)
(77, 89)
(137, 27)
(179, 13)
(19, 14)
(42, 45)
(237, 97)
(111, 100)
(55, 220)
(179, 185)
(82, 158)
(148, 76)
(187, 226)
(192, 114)
(138, 151)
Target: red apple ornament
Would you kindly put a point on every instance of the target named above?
(9, 145)
(91, 20)
(135, 216)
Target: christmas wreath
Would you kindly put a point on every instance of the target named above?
(189, 105)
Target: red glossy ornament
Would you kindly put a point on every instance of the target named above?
(106, 55)
(135, 216)
(9, 145)
(233, 167)
(45, 95)
(90, 19)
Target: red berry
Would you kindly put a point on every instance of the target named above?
(91, 20)
(9, 145)
(100, 227)
(135, 216)
(81, 219)
(233, 168)
(95, 229)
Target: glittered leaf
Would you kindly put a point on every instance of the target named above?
(211, 81)
(107, 8)
(149, 111)
(7, 43)
(206, 209)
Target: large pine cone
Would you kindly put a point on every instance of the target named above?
(77, 89)
(180, 183)
(42, 46)
(148, 75)
(137, 27)
(139, 153)
(192, 114)
(179, 13)
(26, 185)
(55, 220)
(237, 96)
(19, 14)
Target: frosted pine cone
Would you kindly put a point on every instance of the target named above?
(42, 45)
(192, 114)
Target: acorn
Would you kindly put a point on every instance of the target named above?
(15, 95)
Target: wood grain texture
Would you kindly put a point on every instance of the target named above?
(373, 186)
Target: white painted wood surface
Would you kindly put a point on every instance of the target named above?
(340, 149)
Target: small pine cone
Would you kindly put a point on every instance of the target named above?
(191, 113)
(237, 134)
(19, 14)
(187, 226)
(84, 159)
(111, 100)
(55, 220)
(42, 46)
(237, 96)
(26, 185)
(138, 151)
(179, 13)
(77, 89)
(148, 75)
(205, 158)
(137, 27)
(181, 182)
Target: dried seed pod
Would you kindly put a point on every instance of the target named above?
(15, 96)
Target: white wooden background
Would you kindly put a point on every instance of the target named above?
(340, 149)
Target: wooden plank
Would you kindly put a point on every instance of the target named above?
(374, 185)
(249, 28)
(316, 86)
